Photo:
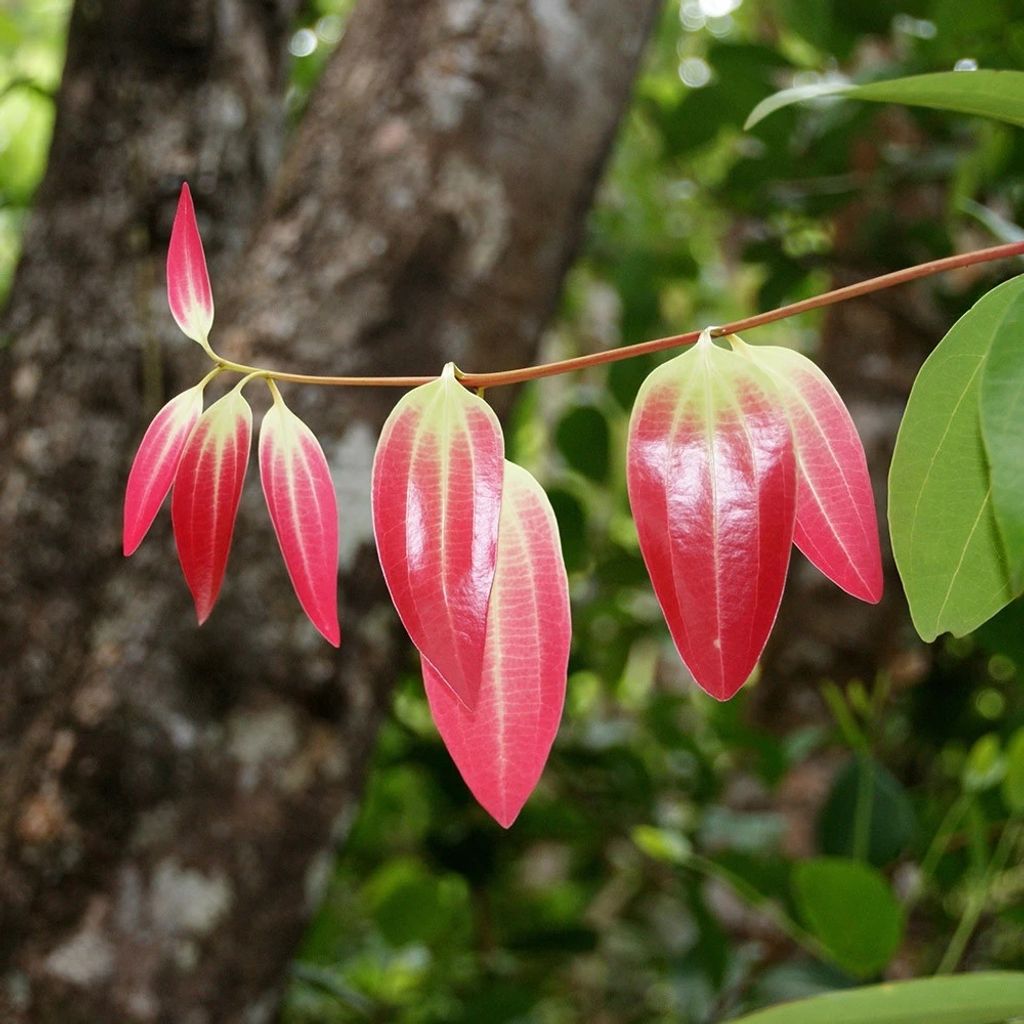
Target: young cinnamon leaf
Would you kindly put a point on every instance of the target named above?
(1002, 427)
(156, 462)
(207, 489)
(436, 496)
(945, 538)
(712, 486)
(501, 746)
(301, 500)
(836, 525)
(188, 283)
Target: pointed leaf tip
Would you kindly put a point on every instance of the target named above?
(188, 283)
(156, 462)
(836, 523)
(302, 505)
(711, 479)
(501, 747)
(207, 490)
(436, 496)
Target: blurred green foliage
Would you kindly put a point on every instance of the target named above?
(678, 863)
(31, 55)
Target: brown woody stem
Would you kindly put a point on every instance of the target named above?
(612, 355)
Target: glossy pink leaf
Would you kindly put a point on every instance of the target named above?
(207, 489)
(502, 745)
(836, 524)
(156, 462)
(300, 498)
(712, 486)
(188, 283)
(437, 477)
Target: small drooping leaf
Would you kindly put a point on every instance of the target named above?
(188, 283)
(851, 909)
(301, 500)
(436, 493)
(1002, 427)
(836, 525)
(987, 997)
(156, 462)
(945, 538)
(501, 746)
(712, 486)
(207, 489)
(995, 94)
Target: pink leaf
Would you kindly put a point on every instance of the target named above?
(156, 462)
(207, 489)
(836, 525)
(712, 486)
(502, 745)
(300, 498)
(188, 283)
(437, 478)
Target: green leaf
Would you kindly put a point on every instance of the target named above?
(983, 998)
(851, 909)
(944, 534)
(1002, 428)
(985, 766)
(583, 438)
(787, 97)
(1013, 783)
(995, 94)
(892, 823)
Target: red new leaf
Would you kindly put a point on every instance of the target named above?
(300, 498)
(712, 486)
(836, 526)
(502, 745)
(188, 283)
(207, 489)
(437, 477)
(156, 462)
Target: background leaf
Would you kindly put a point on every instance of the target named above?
(995, 94)
(851, 909)
(583, 438)
(892, 822)
(968, 999)
(944, 534)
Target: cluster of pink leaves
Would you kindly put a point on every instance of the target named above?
(204, 455)
(734, 456)
(467, 541)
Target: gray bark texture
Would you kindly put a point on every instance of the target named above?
(170, 797)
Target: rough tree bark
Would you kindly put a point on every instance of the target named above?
(169, 796)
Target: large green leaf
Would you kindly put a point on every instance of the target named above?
(1002, 428)
(984, 998)
(944, 534)
(851, 909)
(996, 94)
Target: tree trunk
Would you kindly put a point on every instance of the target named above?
(169, 796)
